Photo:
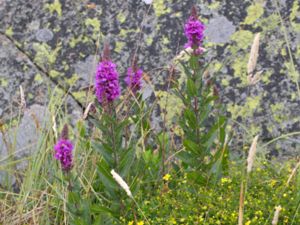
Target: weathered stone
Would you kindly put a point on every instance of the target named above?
(271, 108)
(85, 69)
(44, 35)
(22, 141)
(219, 30)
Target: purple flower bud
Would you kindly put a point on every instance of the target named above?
(63, 153)
(107, 82)
(194, 31)
(133, 79)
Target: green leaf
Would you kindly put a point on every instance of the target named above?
(73, 197)
(197, 176)
(105, 176)
(213, 132)
(188, 158)
(127, 159)
(192, 147)
(81, 129)
(184, 100)
(191, 88)
(123, 124)
(96, 208)
(105, 151)
(220, 163)
(194, 64)
(190, 117)
(99, 125)
(187, 70)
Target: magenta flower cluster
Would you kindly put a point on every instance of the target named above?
(63, 153)
(133, 79)
(107, 82)
(194, 31)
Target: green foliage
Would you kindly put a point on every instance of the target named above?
(202, 122)
(183, 202)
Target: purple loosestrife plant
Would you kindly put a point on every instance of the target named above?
(194, 31)
(107, 79)
(63, 150)
(203, 122)
(63, 153)
(133, 79)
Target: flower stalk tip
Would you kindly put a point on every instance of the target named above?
(107, 79)
(121, 182)
(251, 154)
(194, 30)
(63, 153)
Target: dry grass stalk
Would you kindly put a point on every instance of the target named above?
(293, 173)
(87, 110)
(251, 154)
(241, 207)
(54, 127)
(252, 80)
(253, 55)
(121, 182)
(276, 215)
(22, 96)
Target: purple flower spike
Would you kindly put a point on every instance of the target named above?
(194, 31)
(63, 153)
(107, 82)
(133, 79)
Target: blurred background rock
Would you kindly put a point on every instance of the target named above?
(47, 44)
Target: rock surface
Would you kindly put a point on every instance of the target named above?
(56, 42)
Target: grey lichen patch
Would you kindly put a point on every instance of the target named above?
(44, 35)
(85, 69)
(219, 29)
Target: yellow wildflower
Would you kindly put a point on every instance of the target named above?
(248, 222)
(173, 221)
(140, 223)
(273, 182)
(225, 180)
(130, 223)
(167, 177)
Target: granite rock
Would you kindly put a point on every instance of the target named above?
(63, 38)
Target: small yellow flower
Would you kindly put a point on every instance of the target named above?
(173, 221)
(225, 180)
(259, 213)
(248, 222)
(140, 223)
(130, 223)
(167, 177)
(273, 182)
